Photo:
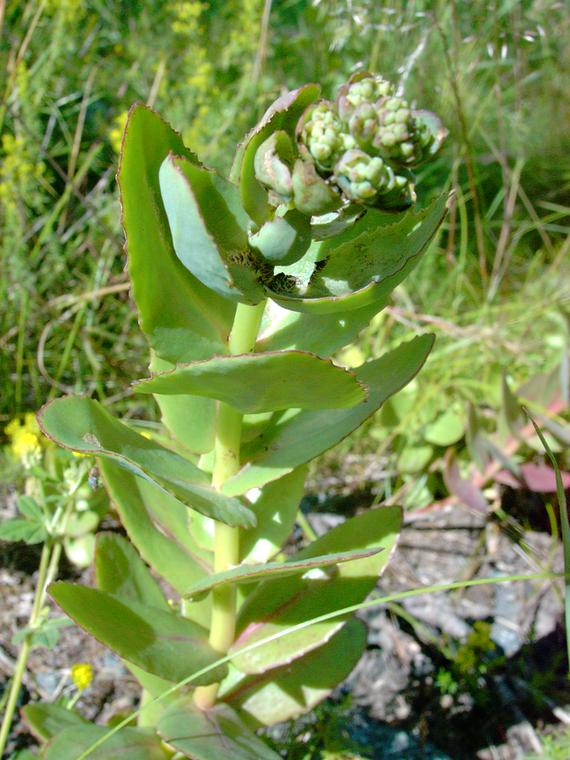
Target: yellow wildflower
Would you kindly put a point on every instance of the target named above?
(25, 443)
(81, 675)
(115, 134)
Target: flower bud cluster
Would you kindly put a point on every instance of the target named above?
(360, 149)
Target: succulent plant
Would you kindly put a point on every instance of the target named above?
(362, 88)
(365, 178)
(398, 136)
(357, 149)
(272, 164)
(324, 135)
(362, 177)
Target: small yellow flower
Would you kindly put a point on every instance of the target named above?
(25, 443)
(81, 675)
(115, 133)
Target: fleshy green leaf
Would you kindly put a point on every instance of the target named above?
(283, 114)
(284, 693)
(46, 720)
(82, 424)
(283, 239)
(277, 604)
(210, 734)
(181, 318)
(206, 237)
(320, 333)
(190, 419)
(120, 571)
(263, 382)
(360, 266)
(127, 744)
(276, 509)
(297, 437)
(270, 570)
(161, 643)
(157, 524)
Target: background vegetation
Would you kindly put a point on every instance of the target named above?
(494, 288)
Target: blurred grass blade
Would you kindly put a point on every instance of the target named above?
(565, 527)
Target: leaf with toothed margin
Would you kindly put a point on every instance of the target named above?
(206, 236)
(159, 642)
(296, 437)
(84, 425)
(276, 509)
(322, 334)
(263, 382)
(210, 734)
(276, 605)
(191, 420)
(253, 573)
(46, 720)
(282, 115)
(157, 524)
(180, 317)
(287, 692)
(360, 266)
(120, 571)
(126, 744)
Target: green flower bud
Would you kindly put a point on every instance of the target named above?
(284, 239)
(313, 195)
(369, 179)
(362, 177)
(401, 137)
(363, 125)
(272, 163)
(362, 88)
(322, 133)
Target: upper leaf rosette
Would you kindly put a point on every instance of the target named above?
(318, 211)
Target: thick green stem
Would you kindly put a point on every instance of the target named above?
(22, 661)
(226, 463)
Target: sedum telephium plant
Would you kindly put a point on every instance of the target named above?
(244, 288)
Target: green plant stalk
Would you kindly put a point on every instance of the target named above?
(49, 563)
(226, 463)
(17, 678)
